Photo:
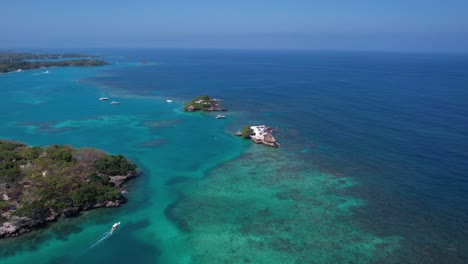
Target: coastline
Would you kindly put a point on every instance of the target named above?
(17, 62)
(39, 185)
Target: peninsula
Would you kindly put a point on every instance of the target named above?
(204, 103)
(12, 61)
(43, 184)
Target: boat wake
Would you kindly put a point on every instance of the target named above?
(75, 258)
(101, 240)
(104, 237)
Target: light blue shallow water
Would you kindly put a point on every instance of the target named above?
(372, 166)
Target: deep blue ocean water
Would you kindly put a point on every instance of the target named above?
(371, 169)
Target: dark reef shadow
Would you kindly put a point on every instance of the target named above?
(177, 180)
(170, 214)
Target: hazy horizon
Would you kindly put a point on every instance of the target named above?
(422, 26)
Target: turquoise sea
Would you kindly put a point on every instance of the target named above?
(372, 166)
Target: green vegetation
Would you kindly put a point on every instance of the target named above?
(48, 181)
(246, 131)
(198, 103)
(17, 56)
(13, 61)
(114, 165)
(3, 205)
(10, 66)
(10, 161)
(204, 103)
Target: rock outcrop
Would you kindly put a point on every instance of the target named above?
(20, 225)
(118, 180)
(17, 226)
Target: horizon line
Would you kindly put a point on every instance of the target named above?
(14, 49)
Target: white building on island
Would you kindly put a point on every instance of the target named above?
(261, 134)
(258, 132)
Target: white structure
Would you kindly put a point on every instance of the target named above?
(259, 132)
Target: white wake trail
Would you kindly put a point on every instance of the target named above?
(106, 235)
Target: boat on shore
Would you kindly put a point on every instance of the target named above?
(114, 103)
(220, 116)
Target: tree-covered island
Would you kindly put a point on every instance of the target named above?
(43, 184)
(204, 103)
(12, 61)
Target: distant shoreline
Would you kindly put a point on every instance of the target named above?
(17, 62)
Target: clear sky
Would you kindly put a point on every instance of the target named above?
(393, 25)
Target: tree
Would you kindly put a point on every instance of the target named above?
(114, 165)
(246, 132)
(31, 153)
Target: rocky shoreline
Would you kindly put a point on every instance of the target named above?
(44, 184)
(17, 226)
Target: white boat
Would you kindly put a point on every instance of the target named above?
(169, 101)
(219, 116)
(114, 226)
(47, 71)
(114, 102)
(103, 98)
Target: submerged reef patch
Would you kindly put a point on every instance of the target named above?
(270, 208)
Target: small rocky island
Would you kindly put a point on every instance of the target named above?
(259, 134)
(43, 184)
(203, 103)
(14, 61)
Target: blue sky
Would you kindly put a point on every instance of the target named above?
(411, 25)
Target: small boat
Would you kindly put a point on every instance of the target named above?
(103, 98)
(220, 116)
(169, 101)
(114, 227)
(114, 102)
(47, 71)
